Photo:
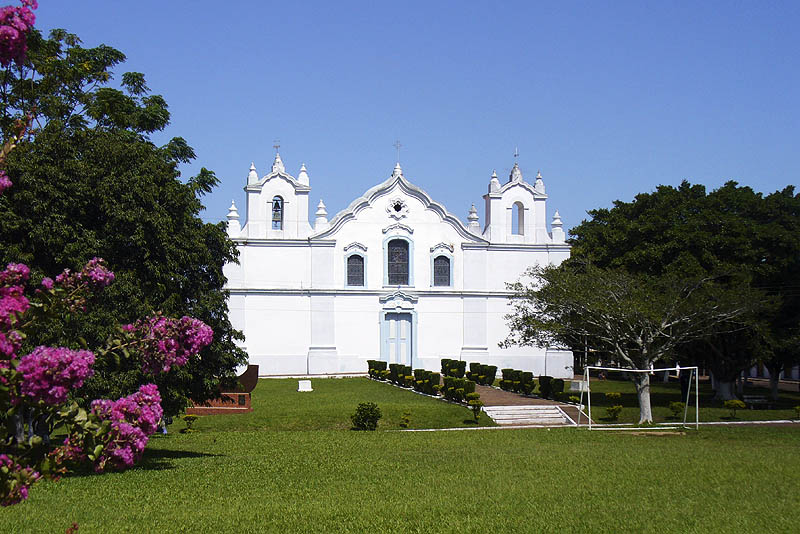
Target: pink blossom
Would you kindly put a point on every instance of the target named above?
(5, 182)
(49, 373)
(16, 481)
(47, 283)
(170, 342)
(134, 418)
(94, 275)
(12, 305)
(15, 274)
(14, 25)
(9, 344)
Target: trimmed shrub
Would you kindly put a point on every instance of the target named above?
(557, 386)
(574, 400)
(446, 365)
(491, 374)
(405, 420)
(677, 408)
(797, 411)
(733, 405)
(544, 386)
(506, 373)
(475, 405)
(613, 395)
(366, 416)
(612, 412)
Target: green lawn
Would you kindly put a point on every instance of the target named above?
(277, 405)
(661, 394)
(741, 479)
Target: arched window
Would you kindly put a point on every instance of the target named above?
(441, 271)
(355, 270)
(277, 213)
(517, 219)
(397, 262)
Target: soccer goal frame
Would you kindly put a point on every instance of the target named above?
(694, 371)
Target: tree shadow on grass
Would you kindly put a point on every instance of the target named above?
(161, 459)
(152, 460)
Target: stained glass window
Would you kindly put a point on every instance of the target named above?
(355, 270)
(398, 263)
(441, 271)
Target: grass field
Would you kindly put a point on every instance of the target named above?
(255, 475)
(661, 394)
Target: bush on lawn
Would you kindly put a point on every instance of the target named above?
(677, 408)
(366, 416)
(733, 405)
(612, 412)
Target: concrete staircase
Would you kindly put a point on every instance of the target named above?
(527, 415)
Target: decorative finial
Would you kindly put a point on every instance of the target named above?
(494, 183)
(234, 228)
(277, 165)
(321, 220)
(516, 152)
(233, 213)
(558, 235)
(302, 176)
(539, 186)
(398, 171)
(516, 174)
(252, 176)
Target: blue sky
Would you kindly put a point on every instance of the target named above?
(607, 99)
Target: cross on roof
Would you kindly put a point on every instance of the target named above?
(398, 146)
(277, 144)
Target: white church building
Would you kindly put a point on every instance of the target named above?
(393, 277)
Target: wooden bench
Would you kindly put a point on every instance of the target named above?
(752, 401)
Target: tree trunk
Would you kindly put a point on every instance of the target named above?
(642, 382)
(725, 390)
(773, 385)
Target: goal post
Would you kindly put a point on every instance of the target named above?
(694, 375)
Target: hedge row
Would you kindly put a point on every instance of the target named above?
(427, 382)
(424, 381)
(482, 374)
(523, 382)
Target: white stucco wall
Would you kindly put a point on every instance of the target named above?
(290, 296)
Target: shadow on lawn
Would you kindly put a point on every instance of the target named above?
(160, 459)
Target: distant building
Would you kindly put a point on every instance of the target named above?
(394, 277)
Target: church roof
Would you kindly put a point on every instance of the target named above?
(397, 180)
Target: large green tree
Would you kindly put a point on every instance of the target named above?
(637, 320)
(733, 234)
(89, 182)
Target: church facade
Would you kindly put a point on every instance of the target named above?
(393, 277)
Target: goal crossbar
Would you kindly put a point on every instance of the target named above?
(692, 369)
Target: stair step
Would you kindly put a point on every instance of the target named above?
(526, 415)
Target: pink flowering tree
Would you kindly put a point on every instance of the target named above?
(37, 383)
